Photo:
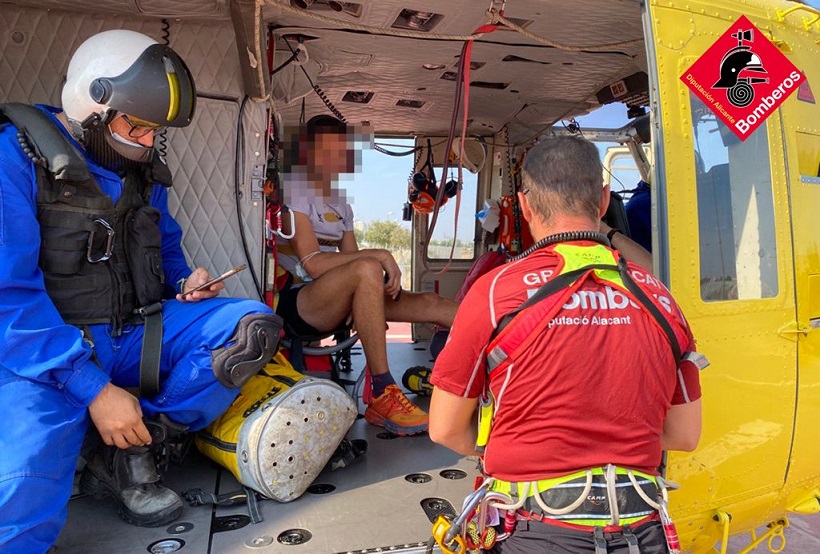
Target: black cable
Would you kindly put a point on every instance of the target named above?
(318, 90)
(239, 168)
(162, 136)
(165, 33)
(563, 237)
(285, 64)
(429, 165)
(383, 150)
(416, 161)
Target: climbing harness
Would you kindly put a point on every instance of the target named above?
(610, 497)
(606, 499)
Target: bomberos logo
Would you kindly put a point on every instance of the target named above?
(743, 77)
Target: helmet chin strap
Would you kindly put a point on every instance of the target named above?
(111, 151)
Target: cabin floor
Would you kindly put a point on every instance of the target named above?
(379, 504)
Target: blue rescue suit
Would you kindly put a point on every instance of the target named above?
(639, 215)
(47, 374)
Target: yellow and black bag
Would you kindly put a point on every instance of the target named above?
(280, 431)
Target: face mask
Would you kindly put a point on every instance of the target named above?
(122, 140)
(113, 152)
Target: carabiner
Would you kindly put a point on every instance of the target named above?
(448, 542)
(109, 245)
(486, 412)
(278, 230)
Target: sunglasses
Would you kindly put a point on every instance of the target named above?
(140, 127)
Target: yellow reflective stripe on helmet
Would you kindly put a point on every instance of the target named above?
(173, 104)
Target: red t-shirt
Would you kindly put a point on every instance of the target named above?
(593, 388)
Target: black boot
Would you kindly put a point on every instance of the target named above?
(130, 477)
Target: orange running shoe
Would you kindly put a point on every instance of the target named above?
(394, 412)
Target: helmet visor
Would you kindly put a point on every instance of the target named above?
(157, 90)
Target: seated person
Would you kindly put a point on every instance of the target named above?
(75, 270)
(630, 249)
(639, 215)
(548, 443)
(333, 281)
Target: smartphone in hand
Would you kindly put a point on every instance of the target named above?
(215, 280)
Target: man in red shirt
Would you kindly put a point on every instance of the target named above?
(585, 384)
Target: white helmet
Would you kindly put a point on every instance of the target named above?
(128, 72)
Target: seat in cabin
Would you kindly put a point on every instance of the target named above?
(306, 352)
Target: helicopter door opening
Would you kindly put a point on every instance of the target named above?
(724, 215)
(377, 193)
(428, 265)
(803, 165)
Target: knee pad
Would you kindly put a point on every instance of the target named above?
(252, 346)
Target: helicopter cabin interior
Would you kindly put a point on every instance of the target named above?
(734, 229)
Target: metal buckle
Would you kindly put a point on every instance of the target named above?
(108, 246)
(150, 309)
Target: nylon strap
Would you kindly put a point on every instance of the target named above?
(633, 287)
(253, 506)
(151, 349)
(198, 497)
(600, 541)
(631, 540)
(62, 158)
(546, 290)
(88, 338)
(564, 280)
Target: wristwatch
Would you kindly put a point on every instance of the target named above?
(611, 234)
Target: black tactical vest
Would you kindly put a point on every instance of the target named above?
(101, 260)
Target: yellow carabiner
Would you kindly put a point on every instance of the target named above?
(486, 411)
(440, 528)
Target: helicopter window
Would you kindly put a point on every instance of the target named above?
(442, 240)
(377, 203)
(738, 250)
(621, 171)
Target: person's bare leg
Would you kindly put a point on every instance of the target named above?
(357, 287)
(421, 307)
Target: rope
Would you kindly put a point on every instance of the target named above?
(559, 512)
(367, 28)
(523, 494)
(493, 17)
(497, 18)
(641, 493)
